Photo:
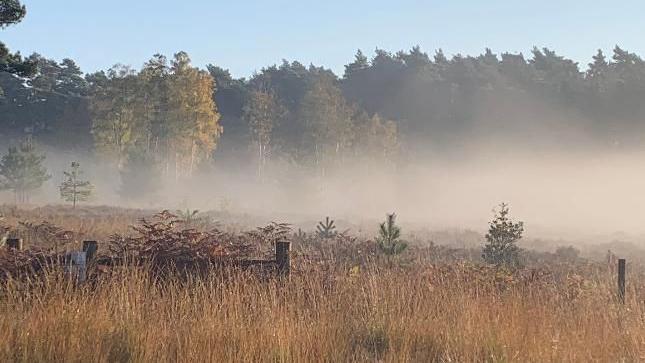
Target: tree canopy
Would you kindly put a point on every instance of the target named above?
(11, 12)
(22, 171)
(388, 105)
(73, 188)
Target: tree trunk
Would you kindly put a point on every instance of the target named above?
(193, 150)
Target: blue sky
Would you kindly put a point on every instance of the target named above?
(245, 36)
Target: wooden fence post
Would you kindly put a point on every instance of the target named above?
(76, 266)
(621, 280)
(14, 243)
(282, 257)
(90, 248)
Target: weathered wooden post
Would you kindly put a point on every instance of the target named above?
(621, 280)
(90, 248)
(14, 243)
(282, 257)
(76, 266)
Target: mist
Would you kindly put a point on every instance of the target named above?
(438, 140)
(582, 196)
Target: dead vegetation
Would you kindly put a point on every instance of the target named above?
(344, 301)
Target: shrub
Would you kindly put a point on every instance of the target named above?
(503, 234)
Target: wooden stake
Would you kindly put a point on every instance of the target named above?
(282, 257)
(621, 280)
(90, 248)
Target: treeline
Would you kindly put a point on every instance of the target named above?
(181, 115)
(171, 118)
(175, 116)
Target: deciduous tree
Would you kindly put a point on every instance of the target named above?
(193, 118)
(262, 113)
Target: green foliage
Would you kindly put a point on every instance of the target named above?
(327, 117)
(389, 239)
(73, 189)
(503, 234)
(22, 171)
(360, 62)
(11, 12)
(45, 99)
(308, 116)
(114, 110)
(262, 113)
(326, 229)
(166, 109)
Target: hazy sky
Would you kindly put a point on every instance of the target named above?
(246, 35)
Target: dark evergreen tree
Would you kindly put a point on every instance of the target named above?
(11, 12)
(501, 240)
(22, 171)
(360, 63)
(389, 239)
(326, 229)
(599, 68)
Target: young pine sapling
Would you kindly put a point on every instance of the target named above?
(326, 229)
(501, 240)
(389, 239)
(73, 188)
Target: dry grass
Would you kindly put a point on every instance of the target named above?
(456, 314)
(430, 307)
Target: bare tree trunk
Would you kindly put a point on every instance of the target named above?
(260, 160)
(193, 150)
(177, 166)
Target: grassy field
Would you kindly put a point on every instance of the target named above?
(340, 309)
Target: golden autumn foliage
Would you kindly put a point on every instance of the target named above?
(193, 117)
(163, 110)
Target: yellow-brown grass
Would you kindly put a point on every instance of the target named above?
(390, 315)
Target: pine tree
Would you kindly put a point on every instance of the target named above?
(360, 62)
(22, 171)
(73, 189)
(597, 72)
(389, 239)
(326, 229)
(489, 58)
(11, 12)
(627, 65)
(416, 59)
(503, 234)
